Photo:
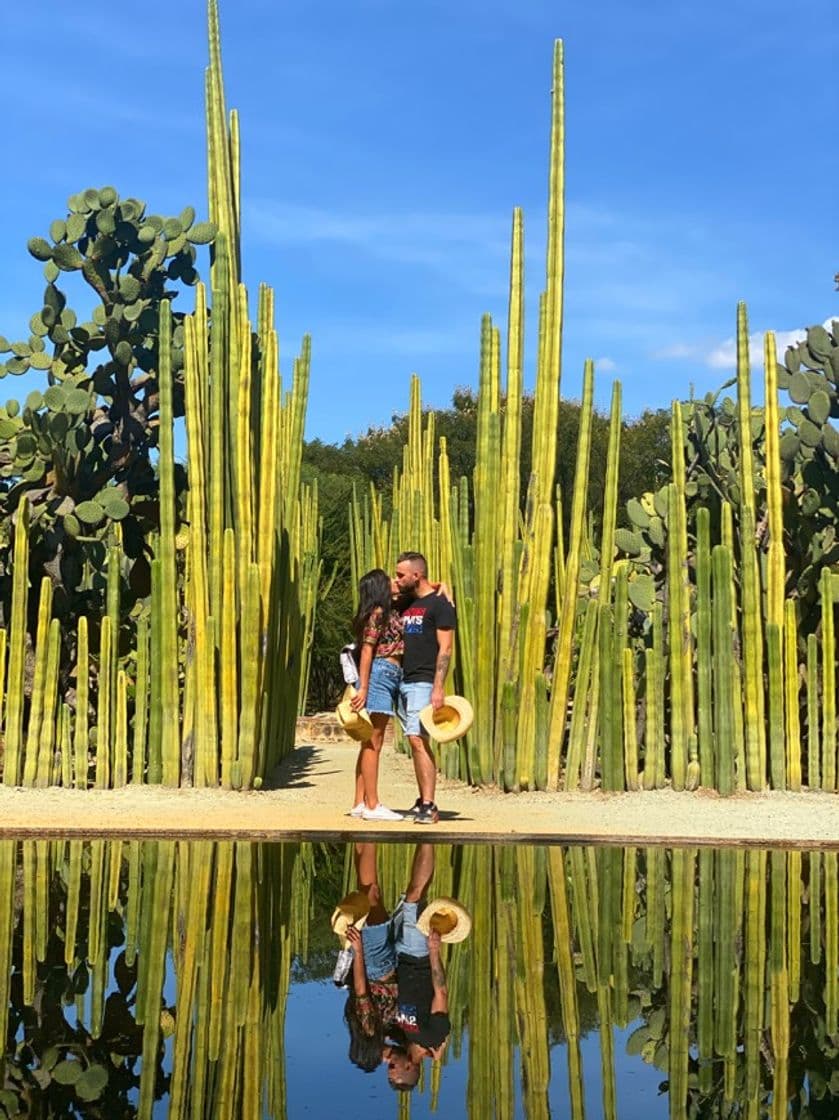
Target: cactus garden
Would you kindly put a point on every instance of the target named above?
(158, 609)
(646, 606)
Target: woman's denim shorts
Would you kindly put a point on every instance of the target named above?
(379, 950)
(383, 690)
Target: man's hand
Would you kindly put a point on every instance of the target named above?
(434, 942)
(438, 696)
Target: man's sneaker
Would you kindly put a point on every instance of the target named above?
(415, 808)
(342, 967)
(381, 813)
(428, 813)
(357, 810)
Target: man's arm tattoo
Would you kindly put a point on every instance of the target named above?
(442, 667)
(438, 976)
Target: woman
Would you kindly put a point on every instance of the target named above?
(377, 629)
(371, 1002)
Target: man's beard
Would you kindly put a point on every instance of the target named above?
(404, 599)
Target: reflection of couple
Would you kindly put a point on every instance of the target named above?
(404, 631)
(397, 1007)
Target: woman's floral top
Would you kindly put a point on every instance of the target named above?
(384, 634)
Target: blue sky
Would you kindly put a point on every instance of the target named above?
(385, 144)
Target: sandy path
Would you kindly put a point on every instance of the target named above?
(313, 788)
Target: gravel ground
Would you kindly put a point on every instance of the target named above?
(311, 792)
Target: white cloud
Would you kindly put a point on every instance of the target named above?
(724, 356)
(605, 365)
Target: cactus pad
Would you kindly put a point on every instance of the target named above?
(39, 248)
(202, 233)
(90, 512)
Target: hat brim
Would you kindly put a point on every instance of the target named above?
(357, 725)
(352, 910)
(446, 914)
(450, 722)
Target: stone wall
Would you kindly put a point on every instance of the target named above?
(324, 727)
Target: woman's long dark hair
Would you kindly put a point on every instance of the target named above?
(373, 591)
(365, 1049)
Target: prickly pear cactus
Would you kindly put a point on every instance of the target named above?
(809, 448)
(810, 451)
(81, 445)
(810, 375)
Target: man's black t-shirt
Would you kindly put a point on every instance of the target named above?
(414, 1016)
(421, 620)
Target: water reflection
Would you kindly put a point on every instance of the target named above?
(186, 974)
(391, 962)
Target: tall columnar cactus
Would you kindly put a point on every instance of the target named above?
(724, 699)
(486, 487)
(561, 681)
(830, 732)
(752, 635)
(170, 715)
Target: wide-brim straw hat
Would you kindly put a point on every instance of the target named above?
(449, 722)
(350, 911)
(356, 724)
(448, 918)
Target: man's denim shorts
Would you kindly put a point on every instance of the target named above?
(383, 689)
(379, 950)
(409, 939)
(413, 697)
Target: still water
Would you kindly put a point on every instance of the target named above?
(195, 979)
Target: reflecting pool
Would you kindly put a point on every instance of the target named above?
(195, 979)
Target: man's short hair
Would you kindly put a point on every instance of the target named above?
(408, 1082)
(415, 558)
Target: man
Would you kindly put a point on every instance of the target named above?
(428, 626)
(421, 1025)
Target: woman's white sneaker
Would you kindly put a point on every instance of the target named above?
(357, 810)
(381, 813)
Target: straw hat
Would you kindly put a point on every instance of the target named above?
(450, 722)
(350, 911)
(447, 917)
(356, 724)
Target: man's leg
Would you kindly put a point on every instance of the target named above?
(425, 768)
(421, 871)
(409, 939)
(415, 696)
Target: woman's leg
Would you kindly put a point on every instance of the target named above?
(359, 780)
(368, 881)
(369, 759)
